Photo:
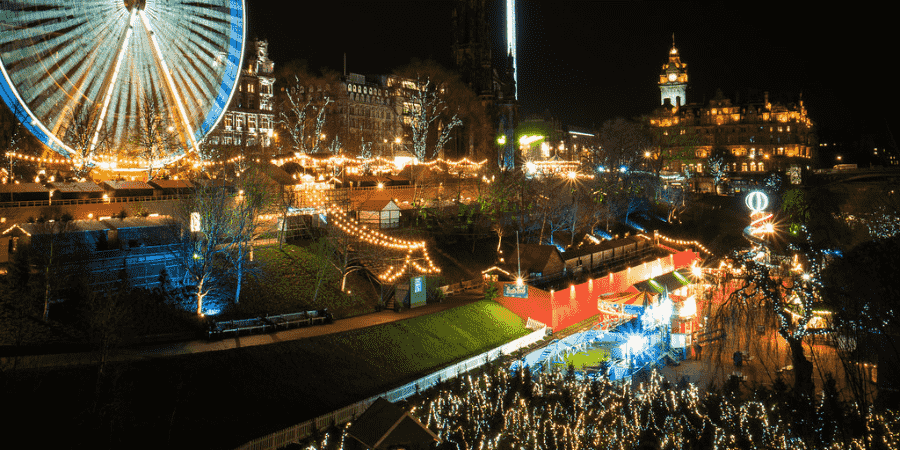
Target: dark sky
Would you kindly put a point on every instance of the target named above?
(589, 61)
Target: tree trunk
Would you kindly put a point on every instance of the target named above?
(47, 282)
(803, 369)
(47, 295)
(200, 298)
(240, 277)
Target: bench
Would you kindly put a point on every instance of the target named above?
(267, 323)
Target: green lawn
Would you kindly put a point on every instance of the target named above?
(225, 398)
(587, 357)
(285, 282)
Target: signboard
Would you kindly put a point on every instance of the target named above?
(417, 292)
(515, 290)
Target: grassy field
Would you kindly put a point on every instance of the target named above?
(222, 399)
(284, 281)
(587, 358)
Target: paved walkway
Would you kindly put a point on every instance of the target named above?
(197, 346)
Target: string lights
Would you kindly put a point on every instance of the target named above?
(680, 242)
(503, 410)
(373, 237)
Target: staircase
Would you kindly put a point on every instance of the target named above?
(390, 303)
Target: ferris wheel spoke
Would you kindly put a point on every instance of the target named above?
(114, 75)
(167, 75)
(201, 43)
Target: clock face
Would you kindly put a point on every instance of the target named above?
(672, 77)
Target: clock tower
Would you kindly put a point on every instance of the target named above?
(673, 79)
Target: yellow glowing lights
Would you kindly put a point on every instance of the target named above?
(351, 228)
(681, 242)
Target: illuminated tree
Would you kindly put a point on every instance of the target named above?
(303, 115)
(777, 291)
(252, 199)
(473, 135)
(154, 137)
(204, 231)
(429, 116)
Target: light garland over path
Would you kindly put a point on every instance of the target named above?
(415, 259)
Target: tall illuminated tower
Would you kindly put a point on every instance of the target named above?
(673, 79)
(494, 82)
(511, 40)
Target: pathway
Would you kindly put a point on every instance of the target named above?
(140, 352)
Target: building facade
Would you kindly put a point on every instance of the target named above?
(249, 121)
(752, 136)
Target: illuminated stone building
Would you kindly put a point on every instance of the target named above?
(250, 119)
(371, 108)
(753, 136)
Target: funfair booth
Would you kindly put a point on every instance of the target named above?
(559, 309)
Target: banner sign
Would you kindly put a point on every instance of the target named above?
(515, 290)
(417, 295)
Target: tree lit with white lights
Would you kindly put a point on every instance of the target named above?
(560, 410)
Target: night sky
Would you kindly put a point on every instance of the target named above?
(589, 61)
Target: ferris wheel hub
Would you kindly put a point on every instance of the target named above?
(139, 4)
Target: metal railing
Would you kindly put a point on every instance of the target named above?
(303, 430)
(90, 201)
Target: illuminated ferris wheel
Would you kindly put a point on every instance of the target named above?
(94, 66)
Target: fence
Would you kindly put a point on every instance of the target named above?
(303, 430)
(89, 201)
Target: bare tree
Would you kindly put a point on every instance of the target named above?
(14, 137)
(154, 136)
(250, 201)
(717, 166)
(49, 242)
(85, 138)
